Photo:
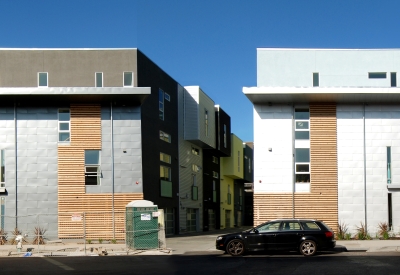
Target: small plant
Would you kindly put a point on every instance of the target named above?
(3, 237)
(113, 241)
(362, 232)
(100, 240)
(342, 231)
(39, 235)
(89, 241)
(347, 236)
(383, 230)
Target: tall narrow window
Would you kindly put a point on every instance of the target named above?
(92, 167)
(225, 140)
(165, 173)
(302, 155)
(206, 122)
(165, 181)
(2, 169)
(315, 79)
(393, 80)
(238, 161)
(229, 196)
(390, 212)
(214, 192)
(161, 104)
(99, 79)
(42, 79)
(389, 164)
(128, 79)
(64, 121)
(195, 190)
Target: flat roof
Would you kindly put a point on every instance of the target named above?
(261, 95)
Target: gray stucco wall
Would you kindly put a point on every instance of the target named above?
(36, 179)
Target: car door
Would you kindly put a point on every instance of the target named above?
(263, 237)
(289, 236)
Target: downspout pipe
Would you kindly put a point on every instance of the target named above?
(112, 165)
(365, 173)
(293, 164)
(16, 163)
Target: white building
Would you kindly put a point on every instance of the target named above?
(327, 136)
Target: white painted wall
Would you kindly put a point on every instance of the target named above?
(273, 171)
(336, 67)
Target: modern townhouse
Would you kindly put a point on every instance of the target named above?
(326, 129)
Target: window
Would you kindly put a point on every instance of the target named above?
(302, 155)
(165, 173)
(64, 123)
(376, 75)
(42, 80)
(390, 211)
(290, 226)
(214, 192)
(128, 79)
(195, 151)
(164, 136)
(225, 136)
(393, 80)
(195, 190)
(92, 167)
(315, 79)
(215, 174)
(195, 168)
(272, 226)
(2, 169)
(229, 195)
(99, 79)
(165, 157)
(167, 97)
(206, 121)
(161, 104)
(310, 226)
(238, 161)
(389, 164)
(249, 165)
(215, 159)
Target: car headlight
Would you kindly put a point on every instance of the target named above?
(219, 238)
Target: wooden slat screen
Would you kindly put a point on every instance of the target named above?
(86, 135)
(322, 202)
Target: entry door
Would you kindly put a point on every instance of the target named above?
(211, 219)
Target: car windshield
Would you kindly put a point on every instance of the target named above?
(271, 226)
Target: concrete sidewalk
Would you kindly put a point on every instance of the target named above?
(176, 245)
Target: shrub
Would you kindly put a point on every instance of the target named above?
(383, 230)
(348, 236)
(39, 235)
(113, 241)
(100, 241)
(89, 241)
(342, 231)
(3, 237)
(362, 232)
(17, 232)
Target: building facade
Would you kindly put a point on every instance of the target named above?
(326, 127)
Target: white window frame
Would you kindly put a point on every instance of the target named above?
(167, 97)
(95, 79)
(165, 158)
(161, 105)
(123, 79)
(92, 165)
(215, 175)
(64, 122)
(47, 79)
(165, 136)
(166, 168)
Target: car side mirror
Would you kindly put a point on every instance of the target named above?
(256, 231)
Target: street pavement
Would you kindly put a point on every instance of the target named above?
(190, 243)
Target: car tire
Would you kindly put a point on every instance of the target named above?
(235, 247)
(308, 248)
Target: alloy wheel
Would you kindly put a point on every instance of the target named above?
(235, 248)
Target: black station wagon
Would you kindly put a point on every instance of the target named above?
(306, 236)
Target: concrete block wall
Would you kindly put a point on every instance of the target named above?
(127, 152)
(35, 181)
(381, 130)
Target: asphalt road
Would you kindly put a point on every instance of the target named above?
(207, 263)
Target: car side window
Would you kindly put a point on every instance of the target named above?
(290, 226)
(310, 226)
(272, 226)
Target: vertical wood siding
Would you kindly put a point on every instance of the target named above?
(322, 202)
(86, 135)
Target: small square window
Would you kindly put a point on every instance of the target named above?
(128, 79)
(167, 97)
(42, 80)
(99, 79)
(195, 151)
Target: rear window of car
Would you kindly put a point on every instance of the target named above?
(310, 226)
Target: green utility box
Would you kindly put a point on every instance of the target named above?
(141, 225)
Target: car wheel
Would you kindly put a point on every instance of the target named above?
(308, 248)
(235, 248)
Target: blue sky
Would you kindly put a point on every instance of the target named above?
(210, 43)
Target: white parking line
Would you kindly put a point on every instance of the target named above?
(57, 263)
